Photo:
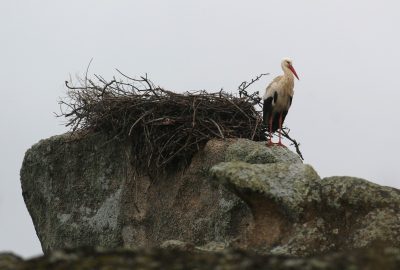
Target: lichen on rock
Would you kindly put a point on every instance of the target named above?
(292, 186)
(339, 191)
(295, 212)
(257, 153)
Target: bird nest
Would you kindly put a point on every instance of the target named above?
(164, 128)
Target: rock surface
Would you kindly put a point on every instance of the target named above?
(9, 261)
(376, 257)
(87, 192)
(297, 213)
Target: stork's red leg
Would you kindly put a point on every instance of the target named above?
(280, 130)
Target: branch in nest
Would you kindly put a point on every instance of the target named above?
(164, 127)
(255, 97)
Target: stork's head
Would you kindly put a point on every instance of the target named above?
(287, 65)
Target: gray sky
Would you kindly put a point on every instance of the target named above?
(346, 53)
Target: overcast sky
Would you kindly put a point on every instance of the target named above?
(346, 53)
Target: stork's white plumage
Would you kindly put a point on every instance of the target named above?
(278, 98)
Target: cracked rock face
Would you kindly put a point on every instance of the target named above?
(87, 192)
(291, 186)
(73, 191)
(295, 212)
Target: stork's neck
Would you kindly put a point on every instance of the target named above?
(288, 74)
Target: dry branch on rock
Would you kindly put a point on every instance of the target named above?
(164, 127)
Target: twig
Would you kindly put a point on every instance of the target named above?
(255, 97)
(219, 129)
(285, 133)
(87, 71)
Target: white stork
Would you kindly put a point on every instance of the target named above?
(277, 100)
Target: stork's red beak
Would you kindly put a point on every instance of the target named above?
(293, 71)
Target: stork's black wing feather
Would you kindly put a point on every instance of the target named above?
(267, 110)
(267, 113)
(275, 120)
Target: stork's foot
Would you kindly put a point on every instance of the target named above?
(270, 143)
(280, 144)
